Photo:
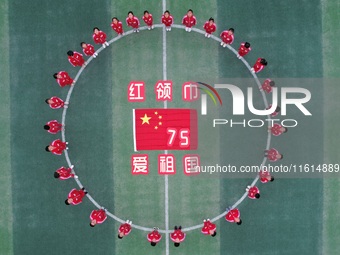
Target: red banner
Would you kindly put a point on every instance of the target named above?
(165, 129)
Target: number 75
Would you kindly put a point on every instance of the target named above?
(184, 135)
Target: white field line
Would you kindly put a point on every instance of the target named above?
(148, 229)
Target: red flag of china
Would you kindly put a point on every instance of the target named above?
(165, 129)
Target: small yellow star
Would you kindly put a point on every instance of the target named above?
(156, 113)
(156, 127)
(160, 123)
(145, 119)
(159, 117)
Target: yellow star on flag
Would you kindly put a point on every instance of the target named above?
(145, 119)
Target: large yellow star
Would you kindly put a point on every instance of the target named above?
(145, 119)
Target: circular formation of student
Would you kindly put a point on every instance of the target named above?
(76, 59)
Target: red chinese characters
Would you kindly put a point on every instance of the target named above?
(140, 164)
(163, 91)
(136, 91)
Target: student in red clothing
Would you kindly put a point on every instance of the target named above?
(276, 112)
(253, 192)
(63, 79)
(64, 173)
(133, 22)
(98, 217)
(209, 27)
(75, 197)
(189, 20)
(124, 229)
(117, 26)
(227, 37)
(99, 37)
(273, 155)
(265, 176)
(259, 65)
(268, 85)
(177, 236)
(88, 49)
(148, 20)
(277, 129)
(154, 237)
(167, 20)
(55, 102)
(57, 147)
(208, 228)
(233, 215)
(53, 127)
(244, 49)
(75, 58)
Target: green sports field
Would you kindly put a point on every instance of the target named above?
(293, 216)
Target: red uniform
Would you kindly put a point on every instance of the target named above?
(77, 59)
(263, 176)
(167, 21)
(274, 113)
(258, 66)
(118, 27)
(134, 22)
(55, 126)
(208, 226)
(125, 228)
(77, 196)
(235, 213)
(253, 191)
(154, 237)
(149, 20)
(89, 50)
(99, 38)
(272, 154)
(242, 51)
(226, 38)
(177, 236)
(266, 86)
(98, 215)
(59, 147)
(65, 80)
(276, 129)
(209, 28)
(56, 103)
(189, 21)
(65, 173)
